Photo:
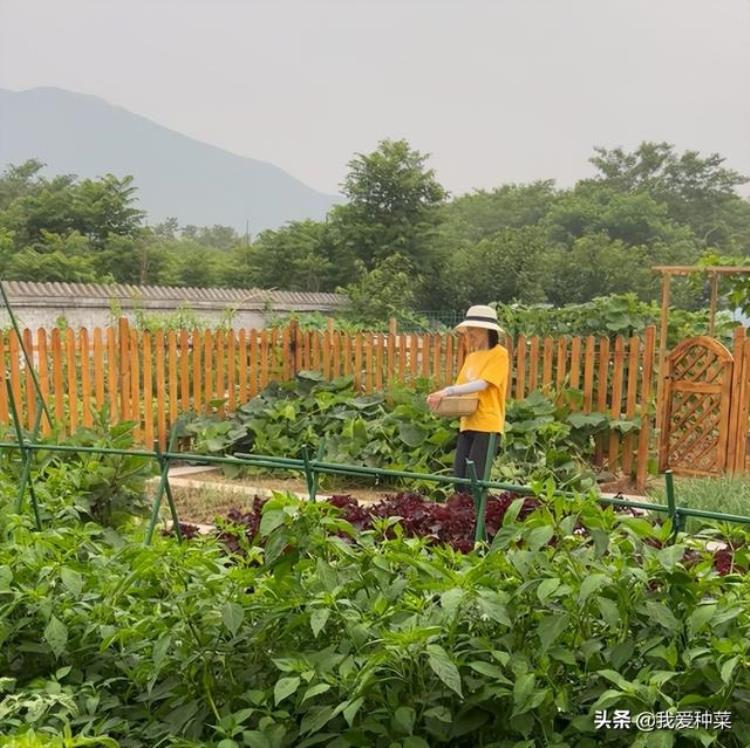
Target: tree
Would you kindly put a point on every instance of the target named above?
(506, 266)
(632, 218)
(216, 236)
(393, 205)
(293, 258)
(18, 181)
(95, 209)
(54, 258)
(597, 265)
(698, 192)
(482, 213)
(383, 292)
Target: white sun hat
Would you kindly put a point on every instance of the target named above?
(480, 316)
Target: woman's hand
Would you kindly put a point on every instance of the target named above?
(434, 398)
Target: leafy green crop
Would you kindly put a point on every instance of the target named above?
(328, 635)
(616, 314)
(108, 489)
(544, 437)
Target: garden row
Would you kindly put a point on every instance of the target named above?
(547, 436)
(306, 624)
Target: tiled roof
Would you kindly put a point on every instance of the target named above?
(238, 296)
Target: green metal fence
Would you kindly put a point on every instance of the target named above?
(312, 469)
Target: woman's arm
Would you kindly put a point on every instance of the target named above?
(434, 398)
(466, 389)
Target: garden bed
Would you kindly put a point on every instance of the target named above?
(201, 496)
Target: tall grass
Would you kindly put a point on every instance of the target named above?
(729, 494)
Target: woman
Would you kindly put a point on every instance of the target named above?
(484, 372)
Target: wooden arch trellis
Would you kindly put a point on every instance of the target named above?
(702, 389)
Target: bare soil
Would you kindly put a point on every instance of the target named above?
(624, 485)
(202, 505)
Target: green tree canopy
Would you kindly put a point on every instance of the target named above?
(697, 191)
(393, 201)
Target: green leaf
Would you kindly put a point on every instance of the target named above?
(451, 599)
(72, 580)
(591, 584)
(318, 620)
(490, 670)
(562, 655)
(621, 653)
(539, 537)
(232, 615)
(546, 588)
(614, 677)
(316, 718)
(511, 513)
(56, 634)
(415, 742)
(493, 606)
(411, 434)
(670, 556)
(609, 611)
(728, 668)
(439, 713)
(216, 445)
(350, 710)
(359, 431)
(161, 648)
(581, 420)
(277, 542)
(701, 616)
(522, 689)
(403, 720)
(444, 668)
(315, 690)
(601, 541)
(6, 577)
(551, 627)
(662, 615)
(271, 520)
(255, 739)
(285, 687)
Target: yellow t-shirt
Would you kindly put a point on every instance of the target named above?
(492, 366)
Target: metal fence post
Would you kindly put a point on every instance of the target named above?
(164, 487)
(672, 508)
(311, 477)
(26, 454)
(480, 496)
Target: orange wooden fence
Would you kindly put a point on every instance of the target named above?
(153, 377)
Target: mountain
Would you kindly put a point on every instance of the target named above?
(178, 176)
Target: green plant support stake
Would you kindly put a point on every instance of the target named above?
(672, 510)
(164, 487)
(310, 476)
(480, 492)
(26, 455)
(476, 492)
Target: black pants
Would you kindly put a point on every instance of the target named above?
(472, 445)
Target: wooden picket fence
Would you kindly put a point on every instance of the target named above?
(152, 377)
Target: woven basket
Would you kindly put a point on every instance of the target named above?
(457, 405)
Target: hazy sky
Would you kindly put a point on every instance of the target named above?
(495, 90)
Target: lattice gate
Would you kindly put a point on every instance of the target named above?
(697, 400)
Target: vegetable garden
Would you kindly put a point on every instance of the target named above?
(509, 610)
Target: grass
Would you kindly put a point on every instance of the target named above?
(727, 493)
